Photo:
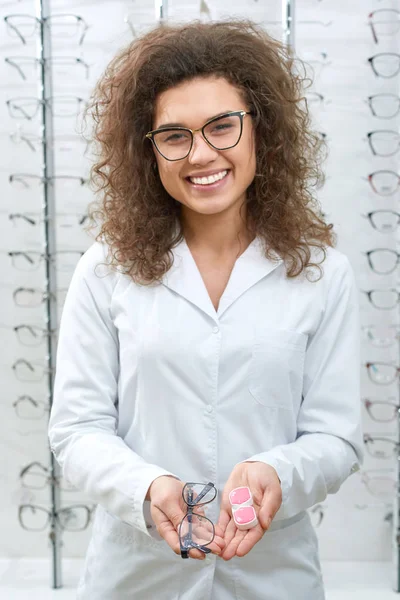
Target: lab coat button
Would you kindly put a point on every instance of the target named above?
(209, 408)
(355, 467)
(215, 329)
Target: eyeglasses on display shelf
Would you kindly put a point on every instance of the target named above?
(31, 335)
(381, 447)
(26, 66)
(31, 180)
(384, 22)
(64, 260)
(65, 27)
(385, 64)
(382, 261)
(382, 336)
(31, 297)
(27, 107)
(62, 220)
(62, 143)
(382, 373)
(384, 142)
(380, 483)
(385, 221)
(36, 476)
(32, 371)
(382, 411)
(384, 106)
(316, 100)
(29, 409)
(384, 182)
(70, 518)
(383, 299)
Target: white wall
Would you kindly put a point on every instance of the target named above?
(346, 531)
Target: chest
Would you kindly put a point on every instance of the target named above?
(215, 276)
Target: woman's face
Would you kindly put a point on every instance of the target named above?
(192, 104)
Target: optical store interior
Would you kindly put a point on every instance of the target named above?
(52, 53)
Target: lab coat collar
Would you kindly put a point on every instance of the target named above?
(185, 279)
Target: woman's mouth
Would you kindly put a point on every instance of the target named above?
(211, 183)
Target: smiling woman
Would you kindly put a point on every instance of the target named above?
(196, 355)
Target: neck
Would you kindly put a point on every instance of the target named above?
(217, 234)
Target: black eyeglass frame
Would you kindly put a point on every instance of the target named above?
(240, 113)
(186, 542)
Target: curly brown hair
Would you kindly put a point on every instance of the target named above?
(139, 220)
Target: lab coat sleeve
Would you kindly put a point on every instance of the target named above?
(84, 416)
(328, 445)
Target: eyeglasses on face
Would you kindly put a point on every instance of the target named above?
(221, 133)
(385, 221)
(195, 530)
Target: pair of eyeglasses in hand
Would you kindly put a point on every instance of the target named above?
(195, 530)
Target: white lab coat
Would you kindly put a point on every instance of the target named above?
(152, 380)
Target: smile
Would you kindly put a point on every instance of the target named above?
(208, 180)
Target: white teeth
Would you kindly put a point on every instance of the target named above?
(207, 180)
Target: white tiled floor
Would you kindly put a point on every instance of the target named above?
(30, 580)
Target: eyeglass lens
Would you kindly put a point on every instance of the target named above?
(221, 133)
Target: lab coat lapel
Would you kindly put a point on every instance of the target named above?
(185, 279)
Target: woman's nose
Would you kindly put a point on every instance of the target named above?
(201, 151)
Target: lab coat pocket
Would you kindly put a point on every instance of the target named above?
(276, 368)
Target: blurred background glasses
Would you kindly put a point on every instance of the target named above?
(384, 142)
(384, 106)
(30, 297)
(379, 483)
(380, 410)
(32, 371)
(64, 27)
(31, 335)
(316, 100)
(385, 64)
(380, 447)
(36, 476)
(64, 260)
(63, 143)
(384, 182)
(30, 180)
(27, 107)
(221, 133)
(70, 518)
(382, 260)
(384, 21)
(385, 221)
(383, 299)
(63, 220)
(382, 373)
(195, 530)
(317, 513)
(382, 336)
(28, 408)
(29, 65)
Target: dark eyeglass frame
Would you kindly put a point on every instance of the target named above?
(394, 133)
(371, 181)
(369, 296)
(240, 113)
(372, 59)
(370, 100)
(371, 252)
(186, 542)
(371, 23)
(370, 216)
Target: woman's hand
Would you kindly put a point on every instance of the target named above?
(265, 487)
(167, 509)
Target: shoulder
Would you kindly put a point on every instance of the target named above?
(94, 269)
(332, 262)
